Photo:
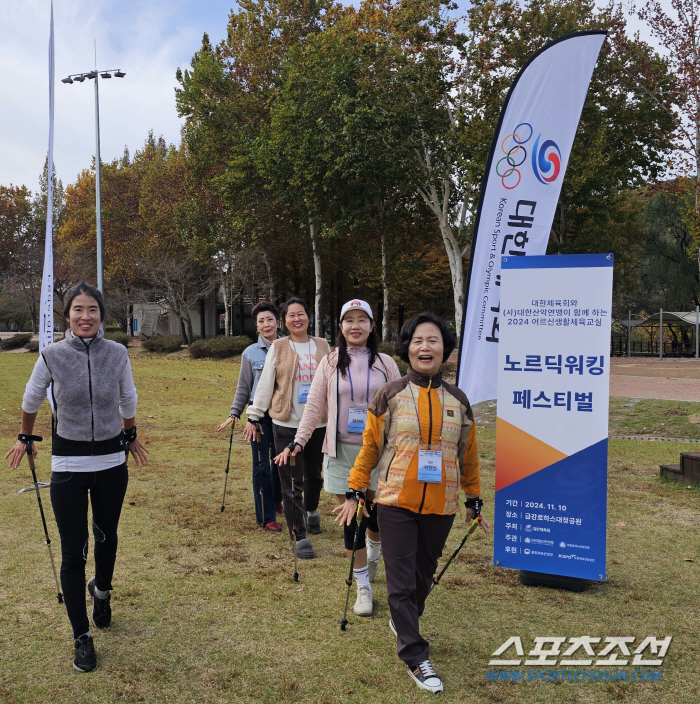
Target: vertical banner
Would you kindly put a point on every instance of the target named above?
(552, 424)
(46, 304)
(520, 190)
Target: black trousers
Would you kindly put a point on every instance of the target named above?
(308, 477)
(412, 543)
(69, 498)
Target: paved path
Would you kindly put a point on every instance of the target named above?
(668, 378)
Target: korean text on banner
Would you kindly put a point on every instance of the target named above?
(552, 423)
(520, 190)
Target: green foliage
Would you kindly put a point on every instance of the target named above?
(113, 328)
(16, 341)
(163, 343)
(33, 346)
(121, 337)
(386, 348)
(403, 366)
(219, 347)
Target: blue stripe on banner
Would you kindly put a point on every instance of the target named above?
(558, 261)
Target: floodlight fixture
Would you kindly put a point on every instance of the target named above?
(79, 78)
(120, 74)
(106, 75)
(67, 80)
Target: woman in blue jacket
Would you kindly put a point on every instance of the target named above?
(268, 502)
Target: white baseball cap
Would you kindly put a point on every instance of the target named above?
(356, 304)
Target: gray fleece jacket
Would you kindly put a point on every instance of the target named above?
(87, 379)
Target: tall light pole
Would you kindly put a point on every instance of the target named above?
(80, 77)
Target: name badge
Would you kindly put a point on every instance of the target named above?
(430, 466)
(304, 388)
(357, 419)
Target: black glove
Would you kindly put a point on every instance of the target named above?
(475, 505)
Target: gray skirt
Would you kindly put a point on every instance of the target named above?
(336, 470)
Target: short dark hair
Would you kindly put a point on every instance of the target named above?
(408, 330)
(87, 290)
(263, 306)
(294, 299)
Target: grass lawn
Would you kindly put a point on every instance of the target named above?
(205, 608)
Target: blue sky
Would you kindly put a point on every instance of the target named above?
(147, 39)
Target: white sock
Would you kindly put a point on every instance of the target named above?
(362, 577)
(374, 549)
(85, 634)
(100, 594)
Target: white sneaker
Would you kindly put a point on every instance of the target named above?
(425, 677)
(364, 604)
(372, 566)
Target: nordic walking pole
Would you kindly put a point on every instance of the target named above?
(348, 581)
(258, 438)
(292, 462)
(228, 462)
(28, 439)
(472, 527)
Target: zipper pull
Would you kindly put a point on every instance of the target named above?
(430, 383)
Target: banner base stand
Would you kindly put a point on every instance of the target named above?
(555, 581)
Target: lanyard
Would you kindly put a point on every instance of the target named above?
(352, 390)
(442, 412)
(291, 342)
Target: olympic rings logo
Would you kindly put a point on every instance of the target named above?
(546, 159)
(515, 155)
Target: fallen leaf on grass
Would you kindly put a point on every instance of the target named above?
(620, 524)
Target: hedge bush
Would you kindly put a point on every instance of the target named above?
(112, 328)
(219, 346)
(163, 343)
(33, 346)
(387, 348)
(16, 341)
(403, 367)
(121, 337)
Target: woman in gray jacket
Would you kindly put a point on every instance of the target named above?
(267, 491)
(94, 429)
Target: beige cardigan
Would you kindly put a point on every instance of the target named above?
(323, 396)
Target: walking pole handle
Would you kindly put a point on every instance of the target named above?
(28, 440)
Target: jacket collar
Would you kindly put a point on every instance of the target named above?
(78, 342)
(414, 377)
(263, 345)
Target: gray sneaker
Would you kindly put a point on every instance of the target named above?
(305, 550)
(313, 522)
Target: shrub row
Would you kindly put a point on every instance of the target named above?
(16, 341)
(163, 343)
(219, 347)
(121, 337)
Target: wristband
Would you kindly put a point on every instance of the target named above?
(130, 434)
(292, 445)
(475, 505)
(355, 495)
(29, 439)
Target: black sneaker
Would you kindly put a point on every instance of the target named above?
(85, 660)
(425, 677)
(101, 609)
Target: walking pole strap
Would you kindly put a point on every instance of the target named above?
(29, 439)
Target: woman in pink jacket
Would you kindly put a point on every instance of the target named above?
(344, 383)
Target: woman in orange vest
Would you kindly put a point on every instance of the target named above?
(421, 431)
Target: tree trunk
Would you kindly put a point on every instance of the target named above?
(386, 321)
(190, 333)
(183, 331)
(318, 275)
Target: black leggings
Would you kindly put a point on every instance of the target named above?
(365, 523)
(69, 498)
